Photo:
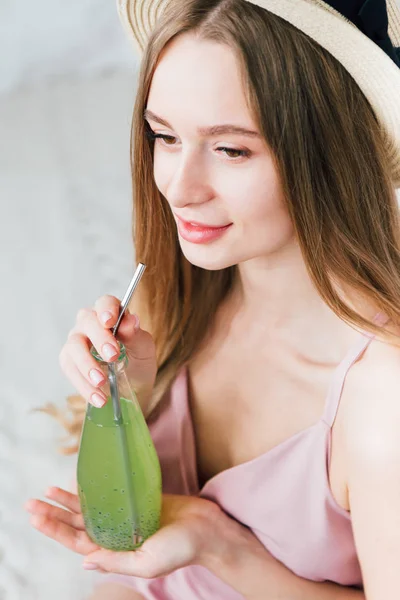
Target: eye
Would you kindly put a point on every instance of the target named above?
(167, 139)
(233, 153)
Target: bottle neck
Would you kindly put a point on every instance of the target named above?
(116, 379)
(119, 364)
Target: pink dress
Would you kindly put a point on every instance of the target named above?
(283, 496)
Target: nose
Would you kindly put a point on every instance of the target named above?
(189, 182)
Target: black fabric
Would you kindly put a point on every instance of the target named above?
(371, 17)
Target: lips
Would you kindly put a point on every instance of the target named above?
(197, 233)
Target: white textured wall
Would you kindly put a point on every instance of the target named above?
(65, 239)
(53, 37)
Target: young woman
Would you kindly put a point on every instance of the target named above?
(266, 153)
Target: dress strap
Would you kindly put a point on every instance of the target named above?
(339, 376)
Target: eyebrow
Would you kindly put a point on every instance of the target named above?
(207, 131)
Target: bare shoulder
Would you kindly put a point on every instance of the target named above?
(372, 464)
(371, 412)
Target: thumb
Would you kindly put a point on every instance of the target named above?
(167, 550)
(141, 354)
(124, 563)
(139, 343)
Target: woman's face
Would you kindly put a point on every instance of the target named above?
(211, 174)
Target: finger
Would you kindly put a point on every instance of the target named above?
(68, 536)
(38, 507)
(139, 343)
(122, 563)
(169, 549)
(91, 394)
(102, 339)
(136, 340)
(142, 359)
(129, 325)
(77, 351)
(91, 567)
(65, 498)
(107, 309)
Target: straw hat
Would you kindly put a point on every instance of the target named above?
(366, 41)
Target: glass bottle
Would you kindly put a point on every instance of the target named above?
(119, 475)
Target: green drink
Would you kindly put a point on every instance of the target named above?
(119, 477)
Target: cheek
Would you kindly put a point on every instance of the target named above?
(258, 199)
(261, 214)
(264, 207)
(266, 225)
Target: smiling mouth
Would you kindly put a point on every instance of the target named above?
(196, 233)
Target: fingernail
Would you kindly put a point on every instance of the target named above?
(96, 376)
(109, 351)
(90, 566)
(98, 400)
(137, 323)
(106, 316)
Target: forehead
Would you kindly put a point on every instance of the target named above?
(199, 80)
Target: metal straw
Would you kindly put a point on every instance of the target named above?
(128, 294)
(114, 392)
(111, 366)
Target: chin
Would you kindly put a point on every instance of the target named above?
(208, 259)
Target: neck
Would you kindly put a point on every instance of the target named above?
(275, 299)
(279, 290)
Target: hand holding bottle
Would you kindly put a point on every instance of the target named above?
(93, 327)
(193, 531)
(118, 471)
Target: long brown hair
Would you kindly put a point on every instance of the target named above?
(333, 165)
